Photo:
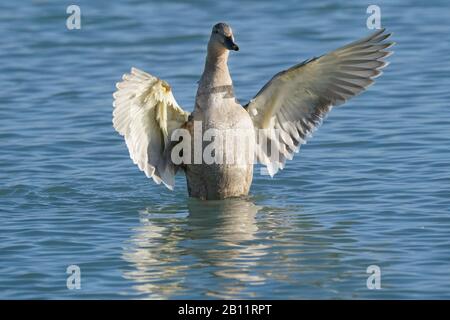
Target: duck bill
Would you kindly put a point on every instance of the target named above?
(230, 44)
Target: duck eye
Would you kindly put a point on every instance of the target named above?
(216, 31)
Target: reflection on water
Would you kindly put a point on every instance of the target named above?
(216, 236)
(239, 250)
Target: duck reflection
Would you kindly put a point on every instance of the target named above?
(217, 237)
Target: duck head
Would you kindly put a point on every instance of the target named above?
(222, 37)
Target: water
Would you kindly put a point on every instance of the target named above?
(372, 187)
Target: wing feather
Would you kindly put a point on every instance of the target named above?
(295, 101)
(146, 113)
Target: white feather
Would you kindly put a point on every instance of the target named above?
(296, 100)
(146, 113)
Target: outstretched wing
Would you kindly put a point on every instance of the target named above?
(296, 100)
(146, 113)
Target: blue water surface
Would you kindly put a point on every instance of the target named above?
(372, 187)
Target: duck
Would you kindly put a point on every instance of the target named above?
(217, 144)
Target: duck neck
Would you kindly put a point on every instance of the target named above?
(216, 71)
